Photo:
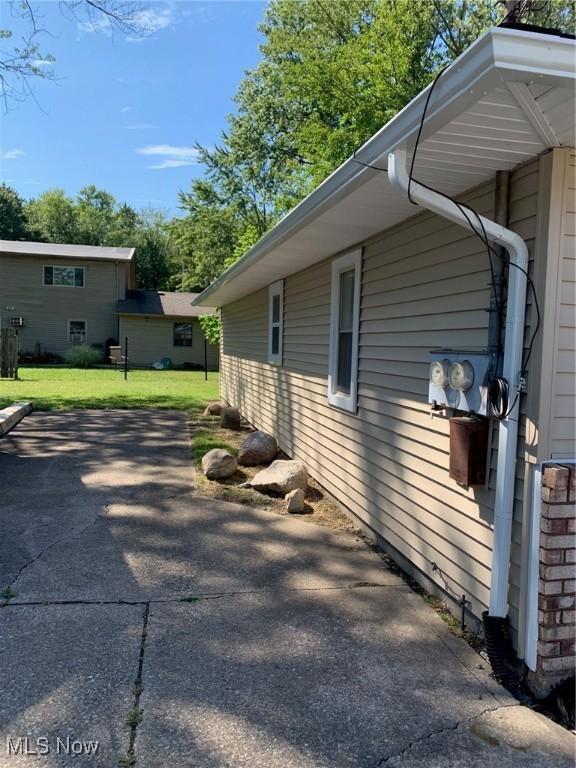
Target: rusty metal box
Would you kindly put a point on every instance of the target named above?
(468, 450)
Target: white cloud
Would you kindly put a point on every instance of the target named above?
(13, 154)
(171, 164)
(149, 20)
(139, 127)
(143, 24)
(32, 181)
(169, 156)
(101, 24)
(124, 110)
(42, 63)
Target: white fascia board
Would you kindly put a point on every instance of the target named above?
(474, 73)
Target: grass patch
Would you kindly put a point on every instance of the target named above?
(62, 388)
(204, 441)
(7, 593)
(134, 717)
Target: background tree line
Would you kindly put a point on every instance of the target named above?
(92, 218)
(330, 75)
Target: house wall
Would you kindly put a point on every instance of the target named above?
(563, 431)
(425, 285)
(47, 309)
(151, 338)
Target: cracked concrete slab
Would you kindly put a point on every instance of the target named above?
(297, 670)
(191, 546)
(511, 736)
(335, 678)
(59, 470)
(67, 672)
(126, 525)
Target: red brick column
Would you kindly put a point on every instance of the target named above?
(557, 591)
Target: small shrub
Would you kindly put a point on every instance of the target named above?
(83, 356)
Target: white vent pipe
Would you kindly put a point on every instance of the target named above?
(511, 370)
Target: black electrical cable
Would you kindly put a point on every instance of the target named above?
(483, 236)
(420, 127)
(498, 397)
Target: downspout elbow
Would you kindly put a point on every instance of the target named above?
(512, 363)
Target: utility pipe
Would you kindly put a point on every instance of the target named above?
(511, 369)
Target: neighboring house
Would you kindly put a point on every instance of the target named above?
(332, 320)
(59, 296)
(159, 324)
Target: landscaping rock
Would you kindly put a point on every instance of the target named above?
(295, 501)
(219, 464)
(230, 418)
(258, 448)
(281, 477)
(214, 409)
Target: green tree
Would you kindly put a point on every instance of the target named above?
(153, 251)
(124, 227)
(203, 240)
(95, 215)
(52, 218)
(12, 218)
(330, 76)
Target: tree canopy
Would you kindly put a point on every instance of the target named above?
(330, 75)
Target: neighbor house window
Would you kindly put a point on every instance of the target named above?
(69, 277)
(275, 322)
(182, 334)
(77, 331)
(344, 323)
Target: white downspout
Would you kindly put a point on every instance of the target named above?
(511, 370)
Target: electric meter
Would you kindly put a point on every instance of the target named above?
(439, 373)
(461, 376)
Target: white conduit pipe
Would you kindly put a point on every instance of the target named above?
(511, 371)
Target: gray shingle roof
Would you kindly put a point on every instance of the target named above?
(160, 303)
(25, 248)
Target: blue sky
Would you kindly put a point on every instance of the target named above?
(125, 113)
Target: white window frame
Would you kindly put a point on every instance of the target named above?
(77, 320)
(276, 289)
(346, 402)
(62, 266)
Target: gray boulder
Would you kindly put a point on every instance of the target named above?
(281, 477)
(219, 464)
(230, 418)
(295, 501)
(258, 448)
(214, 409)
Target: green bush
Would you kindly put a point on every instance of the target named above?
(83, 357)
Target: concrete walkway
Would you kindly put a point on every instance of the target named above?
(228, 637)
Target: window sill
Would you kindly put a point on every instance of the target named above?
(346, 403)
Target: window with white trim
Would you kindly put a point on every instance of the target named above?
(344, 325)
(182, 334)
(77, 331)
(67, 277)
(275, 322)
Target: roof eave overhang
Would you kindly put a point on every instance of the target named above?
(500, 55)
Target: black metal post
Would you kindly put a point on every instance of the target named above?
(205, 360)
(126, 358)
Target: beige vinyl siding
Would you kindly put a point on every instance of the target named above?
(47, 309)
(552, 390)
(425, 285)
(152, 338)
(563, 427)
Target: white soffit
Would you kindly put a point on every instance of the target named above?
(507, 99)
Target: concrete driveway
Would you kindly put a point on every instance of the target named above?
(147, 621)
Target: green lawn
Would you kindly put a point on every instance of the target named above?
(61, 388)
